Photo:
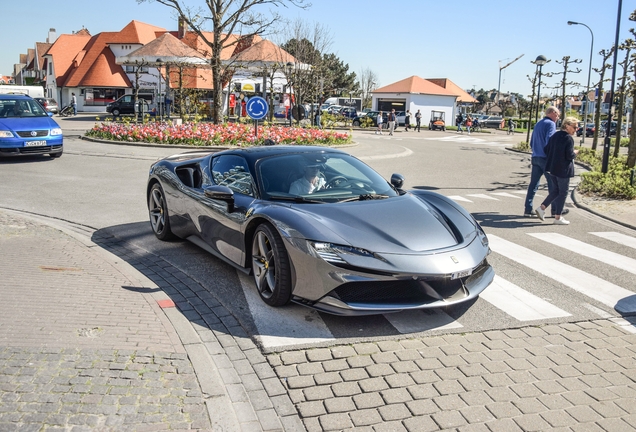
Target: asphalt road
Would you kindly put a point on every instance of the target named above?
(545, 273)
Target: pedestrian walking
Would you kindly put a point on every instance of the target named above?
(407, 121)
(543, 131)
(559, 167)
(379, 122)
(392, 122)
(418, 120)
(469, 123)
(459, 120)
(74, 103)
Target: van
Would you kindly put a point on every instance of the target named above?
(33, 91)
(126, 105)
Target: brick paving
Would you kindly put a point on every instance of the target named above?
(574, 376)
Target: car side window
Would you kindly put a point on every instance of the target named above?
(232, 171)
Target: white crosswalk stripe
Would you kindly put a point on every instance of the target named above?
(519, 303)
(484, 196)
(607, 293)
(617, 238)
(506, 194)
(413, 321)
(582, 248)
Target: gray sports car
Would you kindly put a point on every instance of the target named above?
(318, 227)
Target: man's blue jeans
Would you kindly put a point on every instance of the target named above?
(538, 169)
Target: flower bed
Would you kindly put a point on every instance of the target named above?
(208, 134)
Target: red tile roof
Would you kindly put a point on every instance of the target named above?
(96, 67)
(462, 96)
(64, 51)
(137, 32)
(431, 86)
(416, 85)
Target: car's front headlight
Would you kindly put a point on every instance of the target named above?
(6, 134)
(332, 252)
(56, 131)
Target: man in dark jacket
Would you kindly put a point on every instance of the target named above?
(542, 132)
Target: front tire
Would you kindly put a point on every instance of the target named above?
(158, 212)
(115, 112)
(270, 264)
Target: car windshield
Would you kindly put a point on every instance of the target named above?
(320, 178)
(20, 107)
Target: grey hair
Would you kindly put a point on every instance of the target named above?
(569, 121)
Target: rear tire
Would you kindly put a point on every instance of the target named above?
(270, 264)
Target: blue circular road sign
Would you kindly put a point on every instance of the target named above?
(256, 107)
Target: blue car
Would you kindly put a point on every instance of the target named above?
(26, 128)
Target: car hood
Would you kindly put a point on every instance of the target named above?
(27, 123)
(398, 225)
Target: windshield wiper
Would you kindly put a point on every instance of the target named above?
(295, 198)
(365, 197)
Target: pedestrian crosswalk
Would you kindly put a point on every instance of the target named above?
(518, 293)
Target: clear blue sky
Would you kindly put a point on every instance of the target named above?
(466, 41)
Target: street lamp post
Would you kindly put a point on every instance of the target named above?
(589, 72)
(290, 68)
(540, 61)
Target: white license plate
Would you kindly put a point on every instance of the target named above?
(34, 143)
(461, 274)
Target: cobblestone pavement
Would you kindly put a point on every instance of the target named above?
(570, 377)
(87, 342)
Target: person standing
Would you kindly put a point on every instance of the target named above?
(469, 123)
(407, 121)
(559, 167)
(318, 119)
(74, 103)
(458, 121)
(543, 130)
(379, 122)
(418, 120)
(391, 122)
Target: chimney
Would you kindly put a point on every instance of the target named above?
(183, 28)
(52, 36)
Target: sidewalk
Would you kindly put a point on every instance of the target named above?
(95, 336)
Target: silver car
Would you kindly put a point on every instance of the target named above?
(318, 227)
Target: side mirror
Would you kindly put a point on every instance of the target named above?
(49, 113)
(397, 180)
(221, 193)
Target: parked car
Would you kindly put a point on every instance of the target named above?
(125, 105)
(400, 117)
(333, 109)
(49, 104)
(495, 122)
(373, 115)
(349, 112)
(399, 249)
(26, 128)
(589, 130)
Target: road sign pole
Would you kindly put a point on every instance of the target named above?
(256, 128)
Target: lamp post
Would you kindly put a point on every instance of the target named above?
(290, 68)
(540, 61)
(589, 72)
(159, 104)
(608, 128)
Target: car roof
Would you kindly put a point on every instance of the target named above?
(8, 96)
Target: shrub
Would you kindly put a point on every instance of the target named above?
(523, 146)
(613, 184)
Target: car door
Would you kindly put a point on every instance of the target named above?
(220, 223)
